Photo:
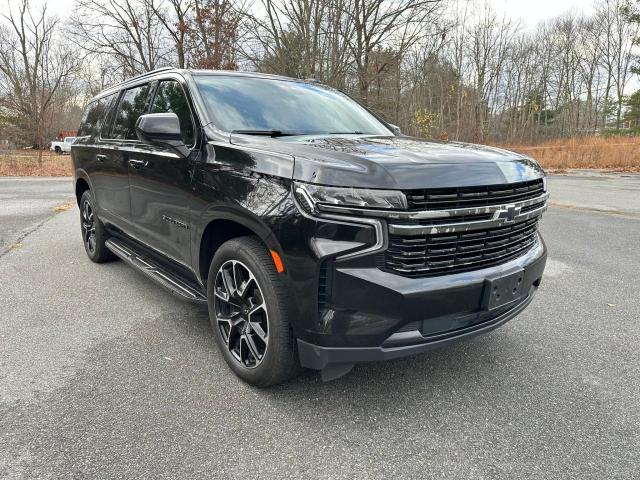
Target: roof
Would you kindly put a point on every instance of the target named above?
(196, 72)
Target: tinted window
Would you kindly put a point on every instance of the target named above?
(249, 103)
(170, 97)
(95, 116)
(132, 104)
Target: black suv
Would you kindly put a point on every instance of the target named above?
(315, 232)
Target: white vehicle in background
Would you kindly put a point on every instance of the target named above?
(62, 147)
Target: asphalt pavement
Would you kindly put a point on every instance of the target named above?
(103, 374)
(25, 203)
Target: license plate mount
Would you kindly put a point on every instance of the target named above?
(502, 290)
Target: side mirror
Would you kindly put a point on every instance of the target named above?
(395, 129)
(161, 129)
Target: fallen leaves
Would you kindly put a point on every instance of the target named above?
(62, 207)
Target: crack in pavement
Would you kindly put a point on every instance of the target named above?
(25, 234)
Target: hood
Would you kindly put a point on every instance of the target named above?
(397, 162)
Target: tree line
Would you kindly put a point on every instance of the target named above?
(436, 68)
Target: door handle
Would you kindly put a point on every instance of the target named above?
(101, 158)
(138, 163)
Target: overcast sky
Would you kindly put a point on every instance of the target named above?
(529, 11)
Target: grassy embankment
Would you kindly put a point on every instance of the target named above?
(620, 154)
(24, 163)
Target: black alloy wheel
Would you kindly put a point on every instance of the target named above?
(88, 226)
(249, 313)
(241, 313)
(94, 234)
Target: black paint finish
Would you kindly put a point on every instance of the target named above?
(178, 203)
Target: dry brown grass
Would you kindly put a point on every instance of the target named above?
(613, 153)
(24, 163)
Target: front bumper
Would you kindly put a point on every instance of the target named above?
(375, 315)
(318, 358)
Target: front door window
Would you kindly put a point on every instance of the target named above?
(170, 98)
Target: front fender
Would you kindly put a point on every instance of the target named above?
(254, 200)
(241, 216)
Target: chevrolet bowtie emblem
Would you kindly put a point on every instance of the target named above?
(509, 213)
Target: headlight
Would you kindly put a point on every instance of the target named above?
(544, 183)
(315, 196)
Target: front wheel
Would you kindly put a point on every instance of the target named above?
(248, 309)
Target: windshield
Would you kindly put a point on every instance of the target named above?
(249, 103)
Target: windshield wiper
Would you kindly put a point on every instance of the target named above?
(266, 133)
(357, 132)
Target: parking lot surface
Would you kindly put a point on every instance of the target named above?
(25, 203)
(103, 374)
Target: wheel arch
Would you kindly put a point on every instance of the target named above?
(81, 186)
(226, 226)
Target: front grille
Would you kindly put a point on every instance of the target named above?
(443, 253)
(470, 197)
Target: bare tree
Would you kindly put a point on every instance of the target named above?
(489, 41)
(174, 17)
(440, 69)
(35, 69)
(293, 35)
(214, 33)
(129, 31)
(615, 52)
(625, 33)
(378, 21)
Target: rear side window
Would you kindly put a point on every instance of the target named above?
(95, 115)
(170, 97)
(132, 104)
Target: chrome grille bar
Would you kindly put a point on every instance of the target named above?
(496, 220)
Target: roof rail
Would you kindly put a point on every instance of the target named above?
(142, 75)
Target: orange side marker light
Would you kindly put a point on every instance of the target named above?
(277, 261)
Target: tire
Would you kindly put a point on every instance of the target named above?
(94, 234)
(58, 151)
(260, 351)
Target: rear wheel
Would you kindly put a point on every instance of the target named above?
(249, 314)
(94, 235)
(58, 151)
